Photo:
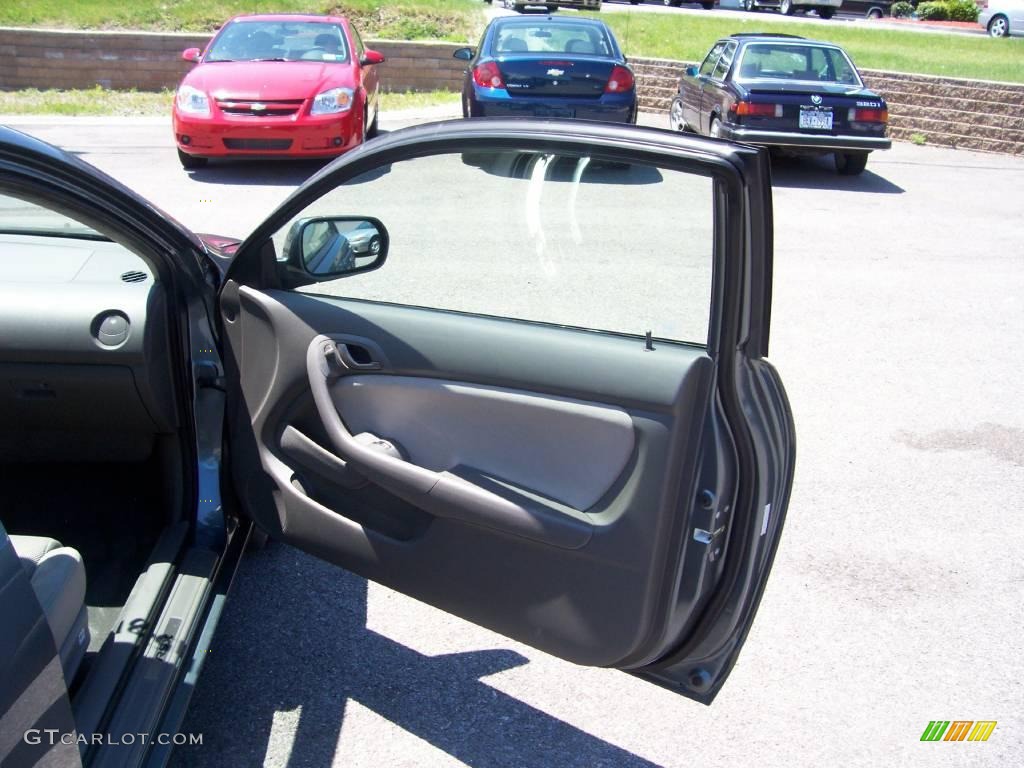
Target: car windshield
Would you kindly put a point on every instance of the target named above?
(792, 61)
(279, 41)
(552, 38)
(20, 217)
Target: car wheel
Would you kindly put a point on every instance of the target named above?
(999, 26)
(190, 162)
(786, 8)
(675, 116)
(373, 247)
(826, 13)
(715, 129)
(673, 3)
(875, 13)
(550, 8)
(371, 132)
(707, 6)
(851, 163)
(748, 6)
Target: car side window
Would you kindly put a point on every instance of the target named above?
(708, 66)
(722, 68)
(532, 236)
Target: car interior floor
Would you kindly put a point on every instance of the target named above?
(111, 512)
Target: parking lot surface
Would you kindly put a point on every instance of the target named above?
(898, 328)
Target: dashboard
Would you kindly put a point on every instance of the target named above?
(84, 364)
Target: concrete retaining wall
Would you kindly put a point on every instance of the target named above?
(946, 111)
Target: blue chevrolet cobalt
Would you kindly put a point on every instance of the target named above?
(548, 67)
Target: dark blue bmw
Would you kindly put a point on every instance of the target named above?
(541, 66)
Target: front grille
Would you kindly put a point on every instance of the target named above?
(263, 144)
(259, 108)
(133, 276)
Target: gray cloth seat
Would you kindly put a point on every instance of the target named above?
(57, 575)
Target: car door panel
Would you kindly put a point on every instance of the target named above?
(584, 492)
(636, 417)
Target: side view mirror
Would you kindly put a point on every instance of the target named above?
(329, 247)
(464, 54)
(691, 71)
(371, 57)
(191, 54)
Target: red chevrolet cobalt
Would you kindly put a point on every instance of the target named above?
(277, 85)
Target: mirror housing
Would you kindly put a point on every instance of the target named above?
(463, 54)
(690, 71)
(329, 247)
(371, 57)
(191, 54)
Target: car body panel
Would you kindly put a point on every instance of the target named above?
(264, 107)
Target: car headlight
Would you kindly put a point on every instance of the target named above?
(192, 101)
(333, 101)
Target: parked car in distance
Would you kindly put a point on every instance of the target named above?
(279, 85)
(552, 5)
(1003, 18)
(548, 67)
(826, 9)
(707, 5)
(786, 92)
(872, 9)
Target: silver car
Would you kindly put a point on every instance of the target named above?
(1003, 18)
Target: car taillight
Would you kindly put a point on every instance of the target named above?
(487, 75)
(620, 80)
(756, 109)
(873, 115)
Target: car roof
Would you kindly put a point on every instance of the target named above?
(532, 20)
(288, 17)
(764, 35)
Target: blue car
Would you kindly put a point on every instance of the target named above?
(540, 66)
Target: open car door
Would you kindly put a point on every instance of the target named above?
(515, 369)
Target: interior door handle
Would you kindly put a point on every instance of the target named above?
(440, 493)
(357, 357)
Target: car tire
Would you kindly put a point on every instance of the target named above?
(748, 6)
(715, 128)
(851, 163)
(707, 6)
(826, 13)
(191, 162)
(673, 3)
(550, 8)
(372, 131)
(999, 26)
(786, 7)
(875, 13)
(675, 116)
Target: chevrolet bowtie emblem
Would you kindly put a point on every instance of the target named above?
(257, 107)
(556, 72)
(816, 99)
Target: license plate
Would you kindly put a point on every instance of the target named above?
(816, 119)
(554, 112)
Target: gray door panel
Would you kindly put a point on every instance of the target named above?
(636, 410)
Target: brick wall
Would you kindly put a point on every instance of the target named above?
(31, 58)
(969, 114)
(946, 111)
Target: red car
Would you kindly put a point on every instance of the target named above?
(277, 85)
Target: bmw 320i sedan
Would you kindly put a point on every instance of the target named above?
(785, 92)
(548, 67)
(591, 460)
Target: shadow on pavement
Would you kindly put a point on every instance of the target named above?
(293, 646)
(247, 172)
(819, 173)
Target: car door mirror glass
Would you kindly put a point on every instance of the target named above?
(371, 57)
(329, 247)
(691, 71)
(464, 54)
(191, 54)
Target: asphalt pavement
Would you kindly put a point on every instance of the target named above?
(896, 598)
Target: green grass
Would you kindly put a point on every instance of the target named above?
(99, 101)
(455, 20)
(91, 101)
(688, 37)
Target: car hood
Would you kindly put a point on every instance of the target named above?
(269, 80)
